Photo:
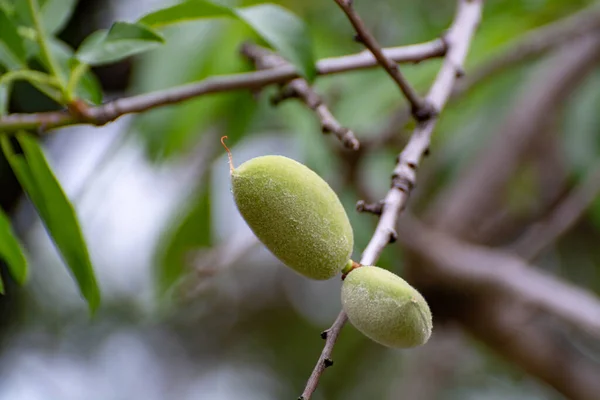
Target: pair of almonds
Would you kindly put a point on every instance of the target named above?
(300, 219)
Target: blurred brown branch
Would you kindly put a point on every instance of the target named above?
(299, 87)
(458, 39)
(112, 110)
(534, 44)
(502, 296)
(470, 267)
(420, 109)
(542, 234)
(513, 332)
(467, 202)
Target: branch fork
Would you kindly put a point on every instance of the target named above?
(458, 39)
(421, 109)
(300, 89)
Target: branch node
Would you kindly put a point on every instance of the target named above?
(445, 41)
(402, 183)
(328, 362)
(424, 111)
(81, 111)
(324, 334)
(393, 236)
(373, 208)
(285, 93)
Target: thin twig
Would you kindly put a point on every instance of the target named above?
(458, 39)
(250, 80)
(542, 234)
(299, 87)
(421, 109)
(534, 44)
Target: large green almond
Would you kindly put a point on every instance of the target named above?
(385, 308)
(295, 214)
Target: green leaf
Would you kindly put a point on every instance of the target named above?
(6, 6)
(120, 41)
(191, 231)
(169, 131)
(57, 213)
(11, 251)
(89, 87)
(12, 49)
(280, 28)
(56, 13)
(4, 97)
(186, 11)
(285, 32)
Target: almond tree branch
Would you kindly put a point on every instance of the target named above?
(469, 266)
(458, 39)
(299, 87)
(421, 110)
(542, 234)
(534, 44)
(502, 299)
(112, 110)
(464, 205)
(524, 339)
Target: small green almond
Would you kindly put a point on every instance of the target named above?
(295, 214)
(385, 308)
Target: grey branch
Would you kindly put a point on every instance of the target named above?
(299, 87)
(505, 295)
(477, 192)
(458, 39)
(534, 44)
(421, 110)
(519, 337)
(473, 267)
(112, 110)
(542, 234)
(404, 175)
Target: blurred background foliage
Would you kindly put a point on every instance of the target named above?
(193, 307)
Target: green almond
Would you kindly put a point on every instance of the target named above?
(385, 308)
(295, 214)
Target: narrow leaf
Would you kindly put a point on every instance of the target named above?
(120, 41)
(11, 251)
(285, 32)
(12, 49)
(277, 26)
(57, 213)
(56, 13)
(186, 11)
(4, 97)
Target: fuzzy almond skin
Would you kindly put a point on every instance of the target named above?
(385, 308)
(295, 214)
